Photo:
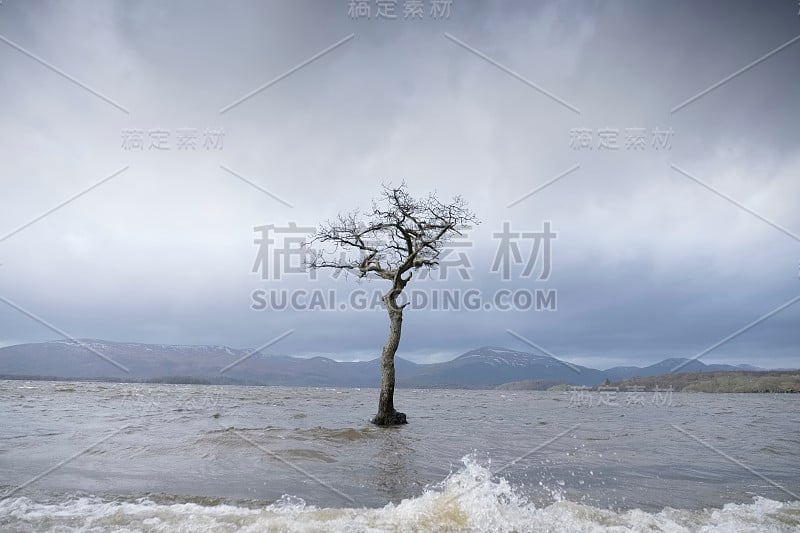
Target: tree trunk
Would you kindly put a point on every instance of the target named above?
(387, 416)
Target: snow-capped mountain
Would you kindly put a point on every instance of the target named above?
(494, 356)
(480, 368)
(494, 365)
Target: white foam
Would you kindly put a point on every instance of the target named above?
(468, 500)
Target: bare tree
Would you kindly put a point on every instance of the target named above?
(398, 236)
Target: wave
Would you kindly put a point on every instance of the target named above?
(471, 499)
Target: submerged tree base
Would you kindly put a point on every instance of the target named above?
(390, 419)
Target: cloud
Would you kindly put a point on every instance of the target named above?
(648, 263)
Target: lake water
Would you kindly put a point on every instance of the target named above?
(128, 457)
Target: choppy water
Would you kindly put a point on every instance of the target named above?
(195, 458)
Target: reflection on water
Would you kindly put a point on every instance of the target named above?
(393, 470)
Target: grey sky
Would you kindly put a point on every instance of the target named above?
(648, 263)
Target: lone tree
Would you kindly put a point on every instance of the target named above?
(398, 236)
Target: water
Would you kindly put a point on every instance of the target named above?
(195, 458)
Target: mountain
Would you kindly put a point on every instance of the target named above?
(99, 359)
(622, 372)
(678, 365)
(491, 365)
(484, 367)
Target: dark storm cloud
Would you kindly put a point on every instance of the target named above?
(648, 262)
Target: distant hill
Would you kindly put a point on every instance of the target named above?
(667, 366)
(485, 367)
(159, 362)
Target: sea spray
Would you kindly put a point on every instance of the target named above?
(469, 499)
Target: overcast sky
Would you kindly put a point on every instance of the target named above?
(487, 101)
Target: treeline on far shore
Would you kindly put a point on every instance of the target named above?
(746, 381)
(767, 381)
